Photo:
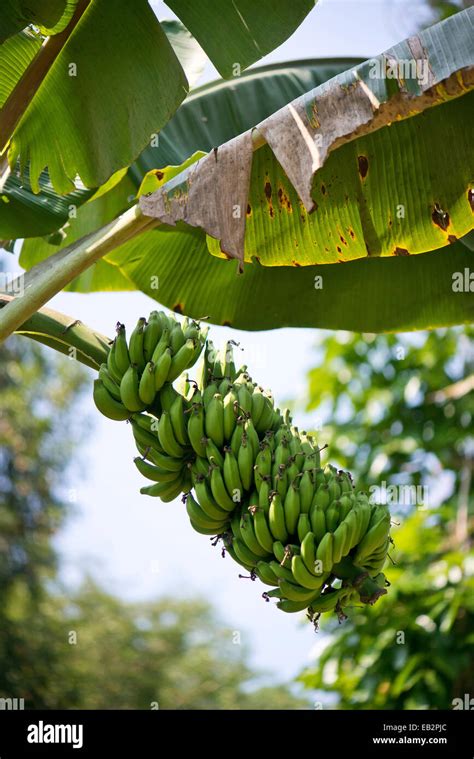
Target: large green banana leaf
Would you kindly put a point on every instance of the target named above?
(209, 116)
(114, 81)
(368, 295)
(354, 168)
(91, 114)
(24, 213)
(51, 15)
(372, 294)
(236, 33)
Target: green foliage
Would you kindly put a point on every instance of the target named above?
(130, 656)
(403, 408)
(37, 430)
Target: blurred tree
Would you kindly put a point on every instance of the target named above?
(109, 654)
(400, 411)
(39, 430)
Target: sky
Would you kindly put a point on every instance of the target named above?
(140, 548)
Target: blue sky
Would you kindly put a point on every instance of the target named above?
(139, 547)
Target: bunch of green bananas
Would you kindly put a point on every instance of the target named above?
(249, 477)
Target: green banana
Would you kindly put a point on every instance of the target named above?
(135, 345)
(244, 554)
(306, 492)
(292, 606)
(249, 537)
(213, 453)
(304, 526)
(152, 472)
(219, 490)
(244, 399)
(206, 501)
(281, 572)
(109, 383)
(151, 335)
(332, 517)
(162, 368)
(340, 542)
(322, 497)
(262, 531)
(167, 491)
(328, 601)
(266, 419)
(318, 522)
(230, 412)
(231, 475)
(200, 518)
(178, 422)
(276, 519)
(121, 355)
(324, 552)
(181, 360)
(112, 366)
(303, 577)
(214, 420)
(292, 509)
(308, 551)
(258, 406)
(265, 573)
(167, 437)
(177, 338)
(162, 345)
(245, 461)
(164, 461)
(146, 388)
(373, 538)
(196, 432)
(129, 390)
(297, 593)
(107, 405)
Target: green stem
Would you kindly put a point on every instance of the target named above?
(64, 334)
(49, 277)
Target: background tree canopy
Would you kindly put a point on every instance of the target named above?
(400, 410)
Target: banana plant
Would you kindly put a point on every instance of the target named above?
(352, 171)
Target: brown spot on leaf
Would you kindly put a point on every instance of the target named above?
(249, 209)
(178, 308)
(295, 263)
(268, 190)
(303, 218)
(338, 249)
(323, 189)
(352, 234)
(272, 212)
(363, 162)
(470, 197)
(226, 323)
(452, 239)
(159, 174)
(440, 217)
(401, 252)
(344, 242)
